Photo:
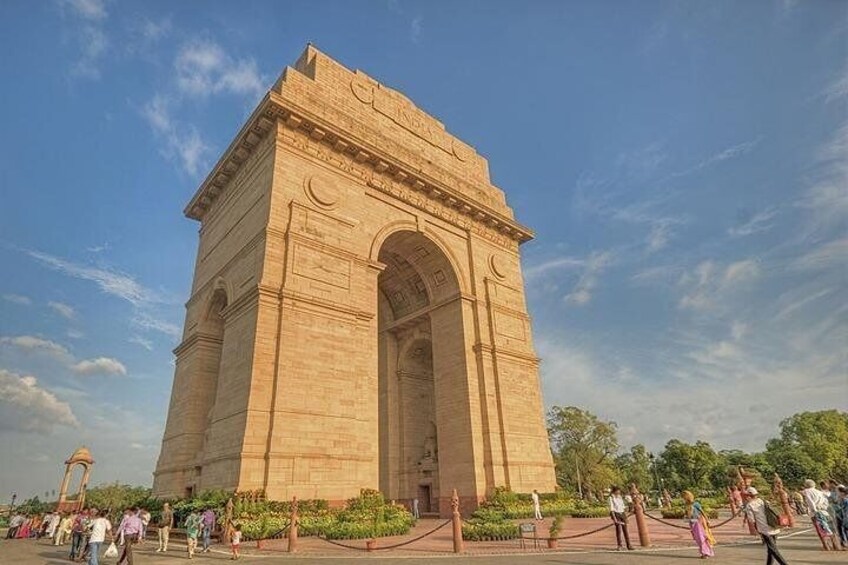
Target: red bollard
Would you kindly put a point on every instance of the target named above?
(293, 527)
(457, 523)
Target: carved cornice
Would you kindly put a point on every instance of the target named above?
(386, 172)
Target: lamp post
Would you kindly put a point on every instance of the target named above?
(657, 484)
(12, 506)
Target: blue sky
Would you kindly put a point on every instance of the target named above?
(684, 166)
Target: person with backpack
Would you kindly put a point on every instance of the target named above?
(767, 524)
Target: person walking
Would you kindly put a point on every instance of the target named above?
(618, 513)
(166, 522)
(145, 521)
(755, 513)
(79, 526)
(100, 526)
(537, 507)
(130, 529)
(699, 525)
(208, 527)
(235, 541)
(64, 529)
(837, 513)
(193, 524)
(843, 505)
(817, 508)
(15, 523)
(415, 513)
(55, 519)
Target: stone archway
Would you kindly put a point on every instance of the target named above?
(417, 282)
(80, 458)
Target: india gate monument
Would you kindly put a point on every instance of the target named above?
(357, 316)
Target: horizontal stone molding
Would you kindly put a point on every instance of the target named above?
(385, 171)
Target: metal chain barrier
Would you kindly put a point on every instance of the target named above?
(595, 531)
(732, 517)
(667, 523)
(272, 536)
(384, 547)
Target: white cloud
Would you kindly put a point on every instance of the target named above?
(145, 343)
(203, 68)
(559, 263)
(111, 282)
(35, 344)
(581, 294)
(147, 322)
(838, 88)
(92, 10)
(830, 254)
(99, 248)
(18, 299)
(711, 283)
(89, 18)
(75, 334)
(798, 302)
(757, 223)
(30, 408)
(415, 29)
(727, 154)
(182, 143)
(62, 309)
(100, 365)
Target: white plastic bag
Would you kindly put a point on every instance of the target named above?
(111, 551)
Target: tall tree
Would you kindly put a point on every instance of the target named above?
(687, 466)
(812, 445)
(583, 446)
(634, 467)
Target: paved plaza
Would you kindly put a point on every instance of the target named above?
(799, 546)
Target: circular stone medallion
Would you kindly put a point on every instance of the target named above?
(322, 192)
(363, 91)
(498, 266)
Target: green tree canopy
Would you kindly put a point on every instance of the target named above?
(635, 468)
(812, 445)
(582, 445)
(689, 466)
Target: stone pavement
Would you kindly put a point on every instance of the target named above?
(799, 547)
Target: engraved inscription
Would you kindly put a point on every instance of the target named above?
(322, 267)
(509, 326)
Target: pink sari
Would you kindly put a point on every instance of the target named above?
(699, 534)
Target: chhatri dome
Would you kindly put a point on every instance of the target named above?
(81, 455)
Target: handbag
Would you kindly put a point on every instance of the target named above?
(111, 551)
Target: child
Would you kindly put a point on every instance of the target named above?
(235, 540)
(192, 528)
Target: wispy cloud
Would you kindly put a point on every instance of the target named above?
(726, 154)
(710, 282)
(799, 302)
(99, 248)
(838, 88)
(111, 282)
(64, 310)
(35, 344)
(89, 18)
(100, 366)
(147, 322)
(145, 343)
(18, 299)
(582, 292)
(556, 264)
(415, 29)
(759, 222)
(30, 408)
(204, 68)
(181, 142)
(830, 254)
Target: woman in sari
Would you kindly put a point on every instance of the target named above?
(699, 525)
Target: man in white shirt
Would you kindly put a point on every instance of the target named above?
(817, 508)
(100, 525)
(755, 513)
(618, 513)
(537, 507)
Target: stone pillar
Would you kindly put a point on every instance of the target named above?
(457, 523)
(639, 511)
(63, 490)
(293, 527)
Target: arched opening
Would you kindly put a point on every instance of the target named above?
(418, 281)
(213, 329)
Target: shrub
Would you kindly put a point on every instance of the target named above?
(677, 513)
(488, 531)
